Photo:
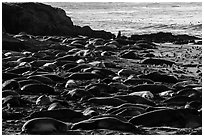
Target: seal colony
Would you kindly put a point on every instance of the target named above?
(96, 85)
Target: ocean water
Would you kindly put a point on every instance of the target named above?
(136, 18)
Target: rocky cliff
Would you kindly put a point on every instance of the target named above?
(41, 19)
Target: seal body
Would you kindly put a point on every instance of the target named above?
(63, 114)
(37, 88)
(110, 101)
(135, 99)
(84, 76)
(156, 61)
(44, 125)
(153, 88)
(179, 118)
(105, 123)
(158, 77)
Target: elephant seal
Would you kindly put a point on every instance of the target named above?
(136, 81)
(98, 88)
(188, 91)
(6, 93)
(10, 84)
(110, 115)
(28, 81)
(118, 86)
(42, 79)
(177, 100)
(37, 89)
(68, 57)
(128, 112)
(194, 105)
(144, 44)
(105, 72)
(179, 118)
(127, 72)
(90, 112)
(110, 101)
(19, 70)
(15, 101)
(156, 61)
(43, 100)
(56, 105)
(185, 84)
(105, 123)
(130, 55)
(54, 77)
(135, 99)
(77, 93)
(153, 88)
(63, 114)
(158, 77)
(70, 83)
(12, 101)
(142, 107)
(69, 65)
(8, 76)
(79, 67)
(43, 126)
(144, 94)
(84, 76)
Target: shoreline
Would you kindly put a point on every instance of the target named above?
(135, 25)
(57, 23)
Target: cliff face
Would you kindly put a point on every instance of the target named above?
(41, 19)
(34, 18)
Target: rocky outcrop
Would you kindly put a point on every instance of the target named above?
(162, 37)
(34, 18)
(87, 31)
(41, 19)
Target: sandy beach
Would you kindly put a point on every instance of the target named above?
(59, 78)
